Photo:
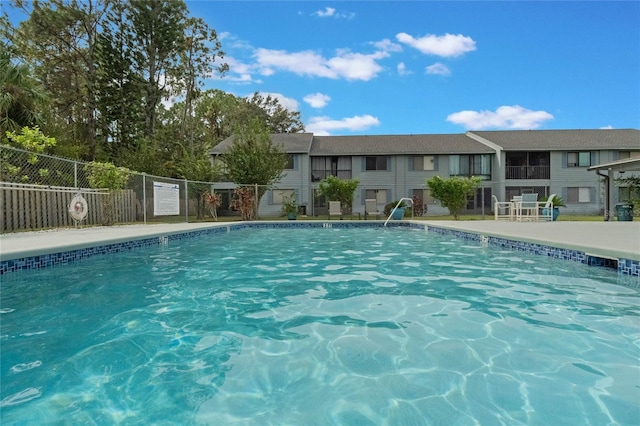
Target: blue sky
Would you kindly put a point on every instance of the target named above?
(410, 67)
(407, 67)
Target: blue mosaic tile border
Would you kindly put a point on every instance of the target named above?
(624, 266)
(332, 224)
(46, 260)
(629, 267)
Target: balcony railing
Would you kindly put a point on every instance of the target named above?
(318, 175)
(467, 175)
(528, 172)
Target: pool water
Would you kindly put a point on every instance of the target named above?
(320, 327)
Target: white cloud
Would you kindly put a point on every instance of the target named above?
(609, 127)
(387, 45)
(446, 46)
(330, 12)
(438, 68)
(231, 40)
(402, 69)
(327, 12)
(505, 117)
(321, 126)
(317, 100)
(289, 103)
(357, 66)
(352, 66)
(239, 72)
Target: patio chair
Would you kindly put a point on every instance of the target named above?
(527, 208)
(371, 208)
(502, 210)
(546, 212)
(335, 209)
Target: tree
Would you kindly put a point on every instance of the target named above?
(217, 111)
(118, 89)
(111, 177)
(19, 95)
(200, 50)
(197, 168)
(58, 40)
(220, 113)
(278, 118)
(453, 192)
(158, 28)
(24, 168)
(152, 51)
(336, 189)
(253, 159)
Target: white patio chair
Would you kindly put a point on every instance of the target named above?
(335, 209)
(546, 209)
(371, 208)
(502, 210)
(527, 208)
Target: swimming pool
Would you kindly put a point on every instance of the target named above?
(320, 326)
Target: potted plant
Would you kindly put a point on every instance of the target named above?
(557, 203)
(398, 213)
(290, 207)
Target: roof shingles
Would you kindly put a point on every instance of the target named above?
(509, 140)
(563, 140)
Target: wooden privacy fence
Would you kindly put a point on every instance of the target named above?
(25, 207)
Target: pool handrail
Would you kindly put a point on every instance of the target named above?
(396, 207)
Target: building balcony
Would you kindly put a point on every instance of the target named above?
(318, 175)
(527, 172)
(466, 175)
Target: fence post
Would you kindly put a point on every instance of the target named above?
(75, 174)
(186, 201)
(482, 198)
(144, 198)
(257, 202)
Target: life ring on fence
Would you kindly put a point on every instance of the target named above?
(78, 207)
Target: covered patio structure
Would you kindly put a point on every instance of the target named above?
(631, 164)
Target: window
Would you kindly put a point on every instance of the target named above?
(579, 159)
(622, 155)
(470, 165)
(424, 162)
(290, 163)
(579, 195)
(378, 162)
(280, 194)
(379, 194)
(321, 167)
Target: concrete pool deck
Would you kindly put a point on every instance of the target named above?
(603, 239)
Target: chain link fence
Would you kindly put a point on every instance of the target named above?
(37, 191)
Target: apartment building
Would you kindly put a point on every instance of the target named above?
(389, 167)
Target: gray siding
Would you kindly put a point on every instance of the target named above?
(399, 180)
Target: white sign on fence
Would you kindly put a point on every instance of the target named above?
(166, 199)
